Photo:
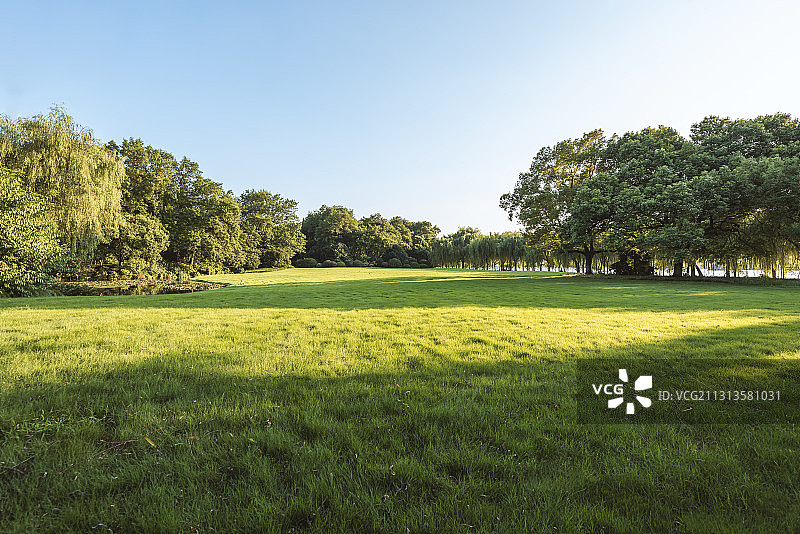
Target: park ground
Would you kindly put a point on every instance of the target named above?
(381, 400)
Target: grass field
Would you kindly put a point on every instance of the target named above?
(378, 400)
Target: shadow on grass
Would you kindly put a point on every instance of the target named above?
(454, 289)
(180, 444)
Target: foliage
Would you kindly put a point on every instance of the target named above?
(306, 262)
(334, 233)
(728, 195)
(70, 172)
(330, 232)
(29, 249)
(203, 221)
(271, 233)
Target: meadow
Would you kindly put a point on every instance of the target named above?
(381, 400)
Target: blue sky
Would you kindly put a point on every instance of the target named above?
(424, 109)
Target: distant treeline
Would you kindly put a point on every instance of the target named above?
(729, 196)
(73, 208)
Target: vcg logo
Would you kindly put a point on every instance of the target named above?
(618, 392)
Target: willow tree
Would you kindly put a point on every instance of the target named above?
(63, 164)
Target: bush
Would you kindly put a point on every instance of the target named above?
(384, 264)
(394, 263)
(328, 263)
(413, 265)
(406, 266)
(306, 262)
(358, 263)
(341, 264)
(396, 252)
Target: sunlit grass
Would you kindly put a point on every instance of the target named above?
(374, 400)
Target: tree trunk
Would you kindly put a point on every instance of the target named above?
(677, 271)
(691, 270)
(696, 268)
(589, 256)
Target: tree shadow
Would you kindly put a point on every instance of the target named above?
(412, 442)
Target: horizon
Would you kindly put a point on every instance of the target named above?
(418, 111)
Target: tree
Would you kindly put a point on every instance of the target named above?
(73, 175)
(592, 213)
(29, 249)
(136, 247)
(542, 197)
(656, 210)
(330, 233)
(148, 173)
(271, 233)
(374, 237)
(203, 221)
(747, 191)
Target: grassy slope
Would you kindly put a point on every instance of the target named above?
(379, 400)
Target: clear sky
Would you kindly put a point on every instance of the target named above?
(424, 109)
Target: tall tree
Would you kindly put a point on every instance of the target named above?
(136, 248)
(73, 174)
(203, 220)
(542, 197)
(330, 233)
(271, 231)
(374, 237)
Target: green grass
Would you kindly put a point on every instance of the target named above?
(370, 400)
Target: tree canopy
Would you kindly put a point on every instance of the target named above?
(728, 195)
(73, 174)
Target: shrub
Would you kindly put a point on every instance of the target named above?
(406, 266)
(306, 262)
(394, 262)
(341, 264)
(413, 265)
(396, 252)
(384, 264)
(328, 263)
(358, 263)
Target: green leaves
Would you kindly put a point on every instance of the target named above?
(271, 233)
(732, 192)
(29, 249)
(76, 178)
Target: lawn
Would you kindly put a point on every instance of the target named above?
(380, 400)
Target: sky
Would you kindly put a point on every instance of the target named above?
(424, 109)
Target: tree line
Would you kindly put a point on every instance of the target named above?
(335, 236)
(729, 196)
(72, 207)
